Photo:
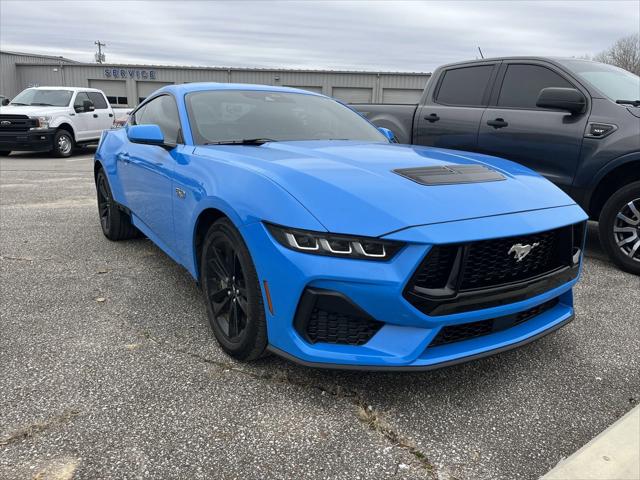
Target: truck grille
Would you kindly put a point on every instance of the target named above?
(16, 123)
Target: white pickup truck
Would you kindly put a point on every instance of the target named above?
(53, 119)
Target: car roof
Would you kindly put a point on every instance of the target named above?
(73, 89)
(184, 88)
(522, 58)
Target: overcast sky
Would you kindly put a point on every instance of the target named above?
(359, 35)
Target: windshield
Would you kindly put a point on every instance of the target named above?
(236, 115)
(48, 98)
(614, 82)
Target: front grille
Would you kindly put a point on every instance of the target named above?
(16, 123)
(489, 263)
(436, 270)
(467, 331)
(456, 278)
(334, 327)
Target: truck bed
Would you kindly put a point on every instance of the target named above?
(396, 117)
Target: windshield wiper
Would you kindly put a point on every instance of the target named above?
(244, 141)
(635, 103)
(18, 103)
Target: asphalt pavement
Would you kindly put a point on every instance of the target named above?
(108, 369)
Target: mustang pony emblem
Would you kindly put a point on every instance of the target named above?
(521, 251)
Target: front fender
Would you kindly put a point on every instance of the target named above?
(245, 196)
(58, 120)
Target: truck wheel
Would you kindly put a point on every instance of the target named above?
(232, 293)
(619, 228)
(4, 153)
(116, 224)
(62, 144)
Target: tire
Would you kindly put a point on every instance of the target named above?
(232, 293)
(63, 144)
(116, 224)
(619, 228)
(5, 153)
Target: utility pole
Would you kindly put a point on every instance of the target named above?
(100, 56)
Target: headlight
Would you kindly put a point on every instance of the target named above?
(321, 243)
(42, 123)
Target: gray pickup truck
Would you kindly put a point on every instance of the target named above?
(574, 121)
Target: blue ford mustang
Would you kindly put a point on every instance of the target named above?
(314, 236)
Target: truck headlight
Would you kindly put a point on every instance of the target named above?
(42, 123)
(329, 244)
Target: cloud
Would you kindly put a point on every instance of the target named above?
(361, 35)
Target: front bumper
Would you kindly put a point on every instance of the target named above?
(403, 341)
(28, 141)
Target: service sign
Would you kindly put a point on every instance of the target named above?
(130, 73)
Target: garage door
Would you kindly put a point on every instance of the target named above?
(115, 90)
(352, 94)
(311, 89)
(401, 95)
(147, 88)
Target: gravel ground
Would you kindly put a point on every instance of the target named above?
(108, 369)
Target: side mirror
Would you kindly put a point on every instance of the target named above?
(146, 134)
(5, 102)
(88, 106)
(568, 99)
(389, 134)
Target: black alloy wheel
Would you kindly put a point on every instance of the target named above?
(104, 202)
(232, 293)
(115, 223)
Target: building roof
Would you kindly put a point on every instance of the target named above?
(38, 55)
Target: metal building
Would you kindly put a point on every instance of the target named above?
(127, 85)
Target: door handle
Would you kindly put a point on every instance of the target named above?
(432, 118)
(124, 157)
(95, 115)
(497, 123)
(111, 115)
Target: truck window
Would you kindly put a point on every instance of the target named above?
(522, 85)
(80, 98)
(97, 99)
(161, 111)
(464, 86)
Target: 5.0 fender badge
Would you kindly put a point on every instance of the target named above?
(521, 251)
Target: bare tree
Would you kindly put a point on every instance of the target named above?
(625, 53)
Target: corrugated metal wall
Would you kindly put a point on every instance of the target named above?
(387, 87)
(10, 83)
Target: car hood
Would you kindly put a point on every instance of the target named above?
(350, 187)
(36, 110)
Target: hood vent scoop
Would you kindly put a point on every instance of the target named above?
(450, 174)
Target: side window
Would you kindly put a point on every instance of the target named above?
(161, 111)
(522, 84)
(97, 99)
(464, 86)
(80, 98)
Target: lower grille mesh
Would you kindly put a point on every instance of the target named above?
(467, 331)
(332, 327)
